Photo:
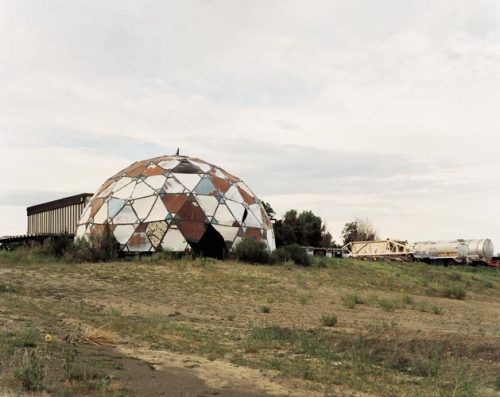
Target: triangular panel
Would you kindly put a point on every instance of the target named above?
(158, 212)
(174, 240)
(155, 181)
(227, 232)
(123, 232)
(188, 180)
(186, 167)
(141, 189)
(224, 216)
(205, 187)
(172, 185)
(143, 206)
(125, 192)
(126, 215)
(208, 204)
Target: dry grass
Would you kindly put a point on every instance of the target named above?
(387, 323)
(99, 336)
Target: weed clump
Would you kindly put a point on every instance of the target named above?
(329, 320)
(386, 305)
(9, 289)
(407, 299)
(351, 300)
(265, 309)
(453, 290)
(426, 307)
(31, 371)
(455, 277)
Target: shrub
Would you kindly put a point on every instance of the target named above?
(320, 262)
(329, 320)
(386, 304)
(292, 252)
(436, 309)
(488, 284)
(57, 246)
(280, 255)
(303, 299)
(265, 309)
(249, 250)
(426, 307)
(428, 362)
(269, 337)
(455, 277)
(453, 291)
(351, 300)
(407, 299)
(94, 247)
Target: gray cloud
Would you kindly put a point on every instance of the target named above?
(387, 108)
(27, 198)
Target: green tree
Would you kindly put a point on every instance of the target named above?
(286, 230)
(326, 238)
(305, 229)
(310, 229)
(358, 230)
(269, 210)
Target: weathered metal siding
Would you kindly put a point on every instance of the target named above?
(59, 220)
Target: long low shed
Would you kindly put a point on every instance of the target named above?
(58, 216)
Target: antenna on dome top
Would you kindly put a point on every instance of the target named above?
(177, 153)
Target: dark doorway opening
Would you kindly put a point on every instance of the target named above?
(211, 244)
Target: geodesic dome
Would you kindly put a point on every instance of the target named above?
(176, 203)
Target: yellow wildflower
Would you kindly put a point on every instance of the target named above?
(48, 338)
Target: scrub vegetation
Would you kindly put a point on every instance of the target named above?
(335, 328)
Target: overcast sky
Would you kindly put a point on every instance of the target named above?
(380, 109)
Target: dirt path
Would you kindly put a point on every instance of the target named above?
(196, 375)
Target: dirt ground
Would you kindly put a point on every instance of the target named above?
(182, 328)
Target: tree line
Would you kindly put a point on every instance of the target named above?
(307, 229)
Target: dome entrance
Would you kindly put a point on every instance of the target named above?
(211, 244)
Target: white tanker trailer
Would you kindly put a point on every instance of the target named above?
(455, 251)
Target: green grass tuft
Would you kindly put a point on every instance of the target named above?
(329, 320)
(351, 300)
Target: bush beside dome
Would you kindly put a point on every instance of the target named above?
(176, 203)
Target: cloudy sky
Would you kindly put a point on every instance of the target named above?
(380, 109)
